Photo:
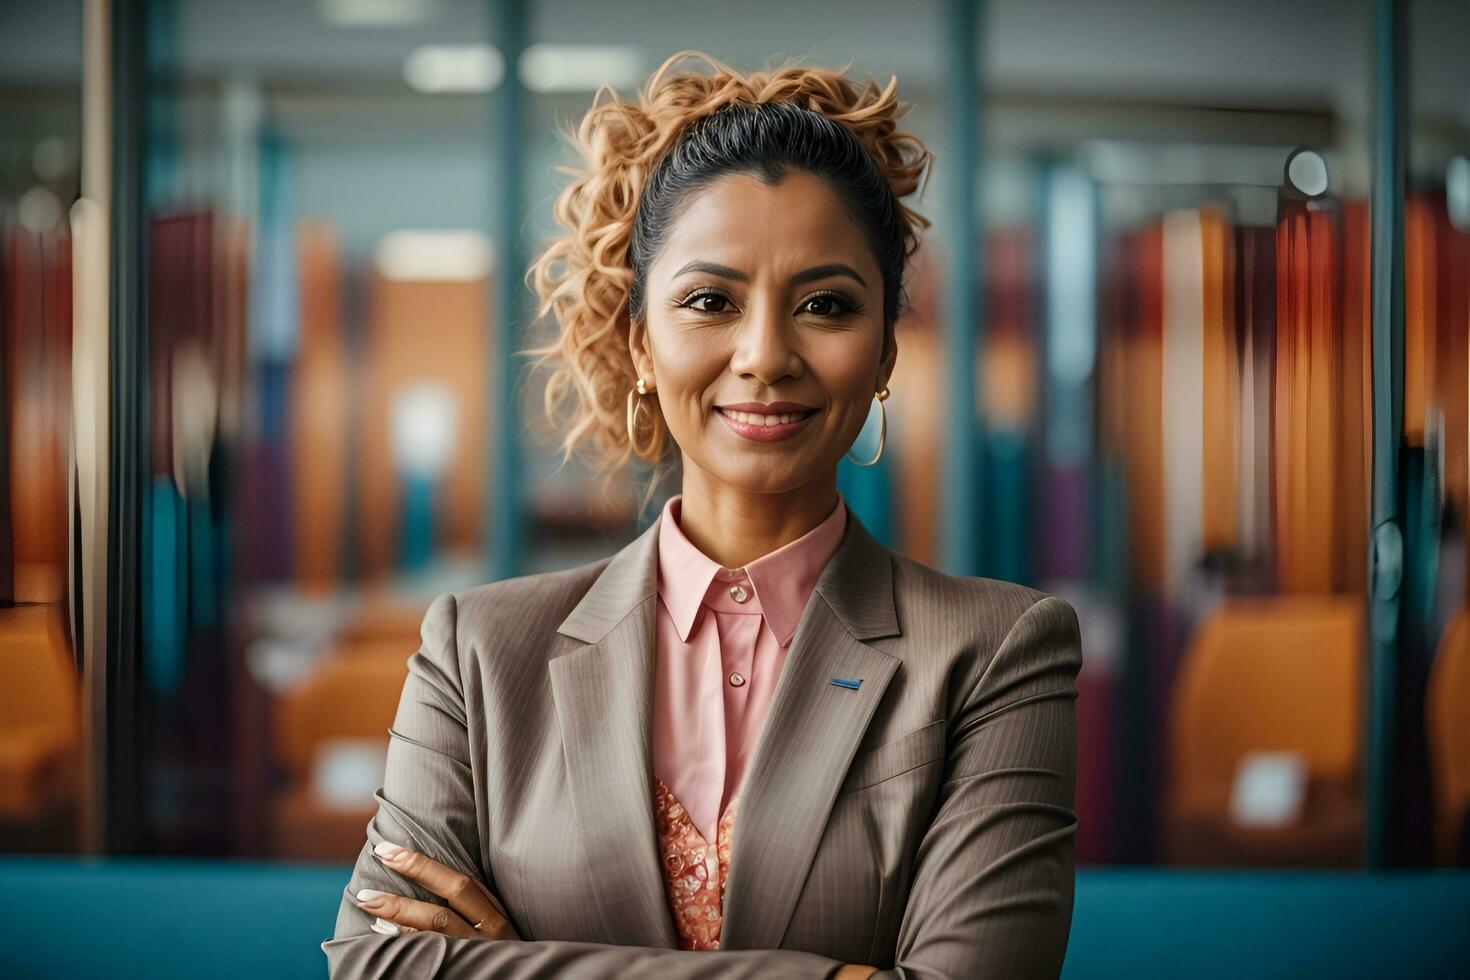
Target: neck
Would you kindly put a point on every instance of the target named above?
(735, 527)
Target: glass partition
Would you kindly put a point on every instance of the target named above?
(42, 777)
(1167, 419)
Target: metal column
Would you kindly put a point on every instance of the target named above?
(504, 509)
(1386, 565)
(91, 361)
(128, 454)
(959, 544)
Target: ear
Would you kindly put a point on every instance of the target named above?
(888, 359)
(642, 354)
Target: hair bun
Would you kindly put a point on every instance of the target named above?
(583, 278)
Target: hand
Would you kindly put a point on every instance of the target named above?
(854, 971)
(473, 913)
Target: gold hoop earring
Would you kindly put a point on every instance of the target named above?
(639, 391)
(881, 395)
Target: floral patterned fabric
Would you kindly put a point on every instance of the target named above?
(694, 869)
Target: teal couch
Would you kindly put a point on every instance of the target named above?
(162, 919)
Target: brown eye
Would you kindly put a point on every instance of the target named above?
(826, 304)
(709, 303)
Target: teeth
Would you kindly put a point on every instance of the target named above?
(751, 418)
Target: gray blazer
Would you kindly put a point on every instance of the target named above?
(922, 822)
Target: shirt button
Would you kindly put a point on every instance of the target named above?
(736, 678)
(739, 593)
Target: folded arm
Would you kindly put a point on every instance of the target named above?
(427, 804)
(994, 877)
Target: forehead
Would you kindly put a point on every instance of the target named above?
(740, 220)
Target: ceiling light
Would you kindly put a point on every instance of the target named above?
(440, 68)
(435, 255)
(580, 67)
(1306, 173)
(375, 13)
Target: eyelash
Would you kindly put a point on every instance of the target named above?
(845, 307)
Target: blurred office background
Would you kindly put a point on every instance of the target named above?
(1187, 347)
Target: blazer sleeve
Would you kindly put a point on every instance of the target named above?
(427, 803)
(994, 875)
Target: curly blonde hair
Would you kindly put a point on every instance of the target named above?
(585, 278)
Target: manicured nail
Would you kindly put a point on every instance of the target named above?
(388, 851)
(385, 927)
(369, 897)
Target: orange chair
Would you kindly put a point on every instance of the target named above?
(321, 400)
(40, 728)
(412, 327)
(1448, 721)
(37, 412)
(383, 618)
(352, 696)
(1279, 674)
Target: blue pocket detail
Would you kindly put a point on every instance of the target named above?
(844, 682)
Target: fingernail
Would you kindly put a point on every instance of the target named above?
(369, 897)
(388, 850)
(385, 927)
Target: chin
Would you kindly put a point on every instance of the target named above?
(761, 477)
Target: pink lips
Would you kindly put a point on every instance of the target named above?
(764, 433)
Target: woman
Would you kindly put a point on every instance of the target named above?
(754, 729)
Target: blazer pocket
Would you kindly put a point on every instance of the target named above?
(911, 750)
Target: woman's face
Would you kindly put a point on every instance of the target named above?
(767, 295)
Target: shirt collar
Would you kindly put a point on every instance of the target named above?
(783, 579)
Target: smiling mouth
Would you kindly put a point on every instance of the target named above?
(756, 418)
(758, 427)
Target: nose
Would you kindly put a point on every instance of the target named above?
(763, 344)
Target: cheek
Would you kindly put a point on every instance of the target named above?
(686, 369)
(846, 368)
(850, 382)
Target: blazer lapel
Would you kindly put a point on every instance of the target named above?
(604, 706)
(809, 738)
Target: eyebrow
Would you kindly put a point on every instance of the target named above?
(806, 275)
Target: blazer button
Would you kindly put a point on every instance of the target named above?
(739, 593)
(736, 678)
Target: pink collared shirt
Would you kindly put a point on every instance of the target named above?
(722, 638)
